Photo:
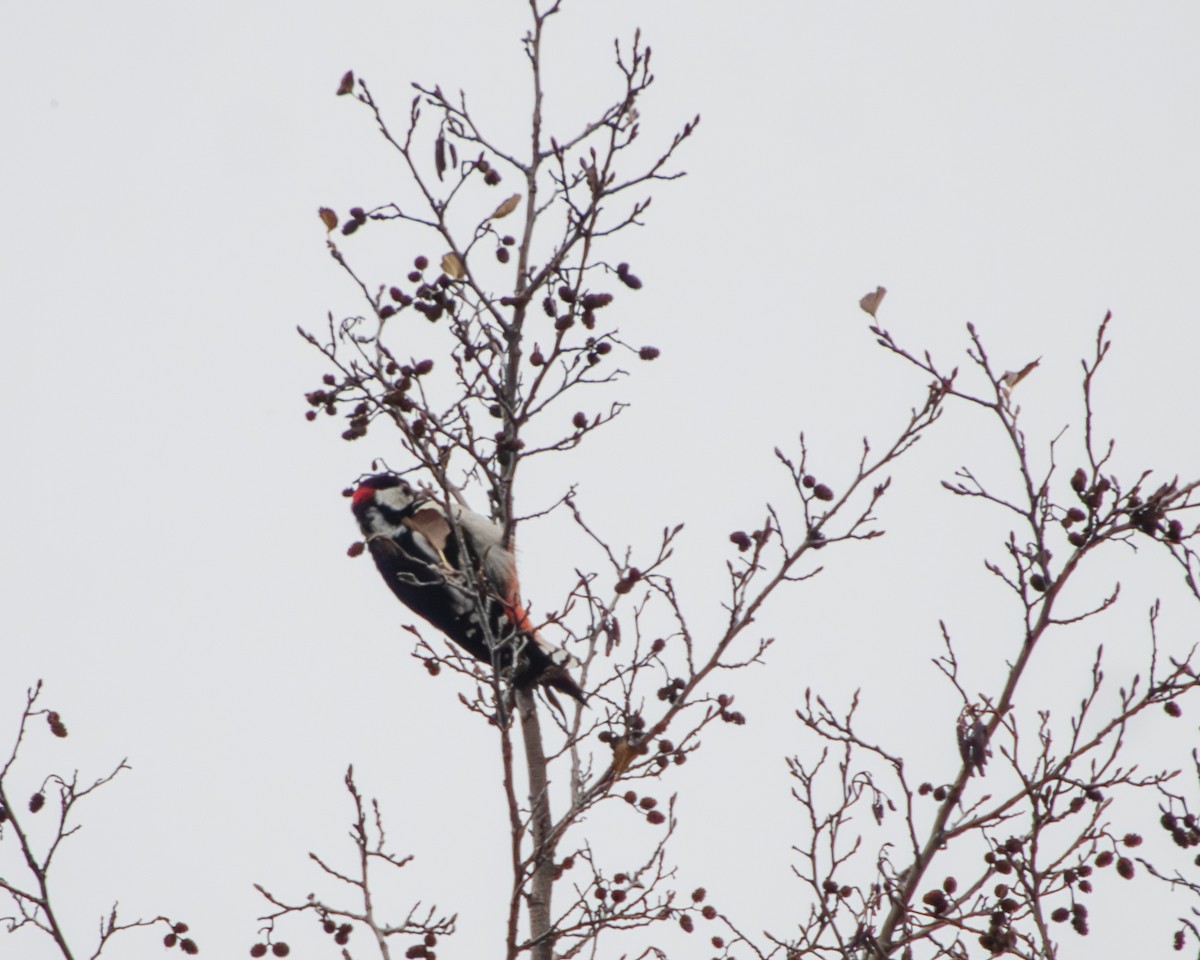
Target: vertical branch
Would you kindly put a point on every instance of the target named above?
(542, 855)
(512, 934)
(512, 334)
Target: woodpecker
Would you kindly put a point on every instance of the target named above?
(448, 572)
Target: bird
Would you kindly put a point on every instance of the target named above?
(451, 568)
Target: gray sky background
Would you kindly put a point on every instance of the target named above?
(174, 536)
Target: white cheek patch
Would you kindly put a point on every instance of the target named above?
(379, 526)
(394, 497)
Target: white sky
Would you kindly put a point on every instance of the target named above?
(174, 536)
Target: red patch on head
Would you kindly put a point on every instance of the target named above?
(361, 496)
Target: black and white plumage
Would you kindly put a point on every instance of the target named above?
(448, 572)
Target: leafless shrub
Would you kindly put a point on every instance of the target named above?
(1026, 838)
(54, 798)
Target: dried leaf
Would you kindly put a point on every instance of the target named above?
(347, 84)
(431, 523)
(624, 754)
(328, 217)
(507, 207)
(453, 267)
(1010, 379)
(870, 303)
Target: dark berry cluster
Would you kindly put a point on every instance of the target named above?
(56, 725)
(1183, 830)
(645, 805)
(819, 490)
(424, 949)
(582, 307)
(936, 901)
(279, 949)
(358, 217)
(339, 931)
(1147, 515)
(671, 691)
(568, 863)
(617, 891)
(668, 754)
(834, 889)
(626, 583)
(627, 278)
(176, 938)
(744, 541)
(1079, 877)
(735, 717)
(491, 176)
(1000, 937)
(1078, 913)
(361, 414)
(687, 920)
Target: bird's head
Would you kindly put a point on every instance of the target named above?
(381, 502)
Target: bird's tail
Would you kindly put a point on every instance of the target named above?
(557, 678)
(555, 661)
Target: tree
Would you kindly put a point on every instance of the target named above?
(524, 324)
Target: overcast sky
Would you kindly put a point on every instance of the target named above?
(174, 536)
